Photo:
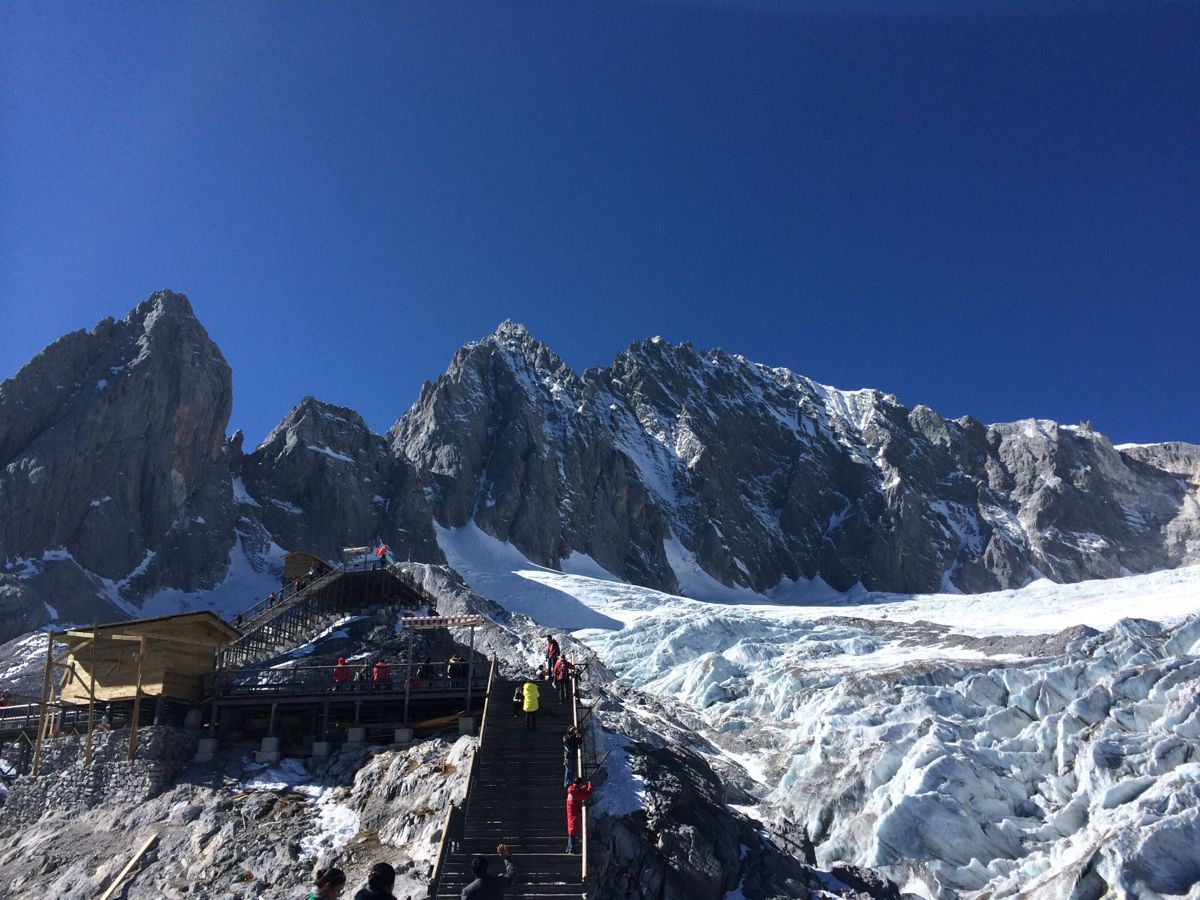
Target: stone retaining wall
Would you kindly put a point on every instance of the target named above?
(65, 784)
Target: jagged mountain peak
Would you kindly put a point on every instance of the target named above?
(514, 343)
(310, 408)
(324, 427)
(508, 330)
(144, 401)
(165, 302)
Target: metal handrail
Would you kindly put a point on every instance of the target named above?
(453, 819)
(482, 727)
(256, 615)
(320, 679)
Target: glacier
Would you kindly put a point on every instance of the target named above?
(1031, 742)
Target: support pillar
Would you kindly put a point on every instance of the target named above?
(44, 709)
(137, 700)
(269, 752)
(408, 678)
(470, 669)
(87, 754)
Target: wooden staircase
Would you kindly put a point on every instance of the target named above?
(268, 629)
(516, 797)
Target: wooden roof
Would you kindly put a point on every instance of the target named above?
(158, 623)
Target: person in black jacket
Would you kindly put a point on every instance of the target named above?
(572, 741)
(380, 881)
(489, 887)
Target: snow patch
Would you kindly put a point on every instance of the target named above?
(332, 454)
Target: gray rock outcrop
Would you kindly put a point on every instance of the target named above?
(114, 478)
(325, 480)
(674, 459)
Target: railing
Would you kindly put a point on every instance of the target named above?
(452, 830)
(321, 680)
(20, 718)
(482, 730)
(63, 718)
(456, 816)
(586, 756)
(264, 610)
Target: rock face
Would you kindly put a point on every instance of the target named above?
(325, 479)
(686, 844)
(507, 438)
(112, 448)
(689, 471)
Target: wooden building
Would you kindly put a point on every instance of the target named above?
(163, 657)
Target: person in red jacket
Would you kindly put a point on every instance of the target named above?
(381, 676)
(563, 670)
(578, 793)
(342, 675)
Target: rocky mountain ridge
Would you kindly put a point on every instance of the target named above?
(685, 470)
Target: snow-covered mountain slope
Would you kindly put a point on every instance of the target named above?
(767, 479)
(1021, 743)
(696, 472)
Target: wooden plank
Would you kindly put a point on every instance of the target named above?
(44, 708)
(166, 638)
(87, 756)
(137, 704)
(129, 866)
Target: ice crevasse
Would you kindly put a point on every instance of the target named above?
(1077, 772)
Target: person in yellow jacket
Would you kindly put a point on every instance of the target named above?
(531, 705)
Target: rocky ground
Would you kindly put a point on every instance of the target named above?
(236, 829)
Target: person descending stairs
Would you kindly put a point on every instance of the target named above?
(518, 799)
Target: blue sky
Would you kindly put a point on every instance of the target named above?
(994, 212)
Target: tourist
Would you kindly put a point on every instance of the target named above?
(562, 675)
(530, 705)
(343, 676)
(381, 676)
(518, 700)
(542, 673)
(552, 652)
(578, 793)
(485, 886)
(330, 883)
(380, 881)
(572, 741)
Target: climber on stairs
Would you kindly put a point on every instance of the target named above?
(579, 792)
(489, 887)
(531, 705)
